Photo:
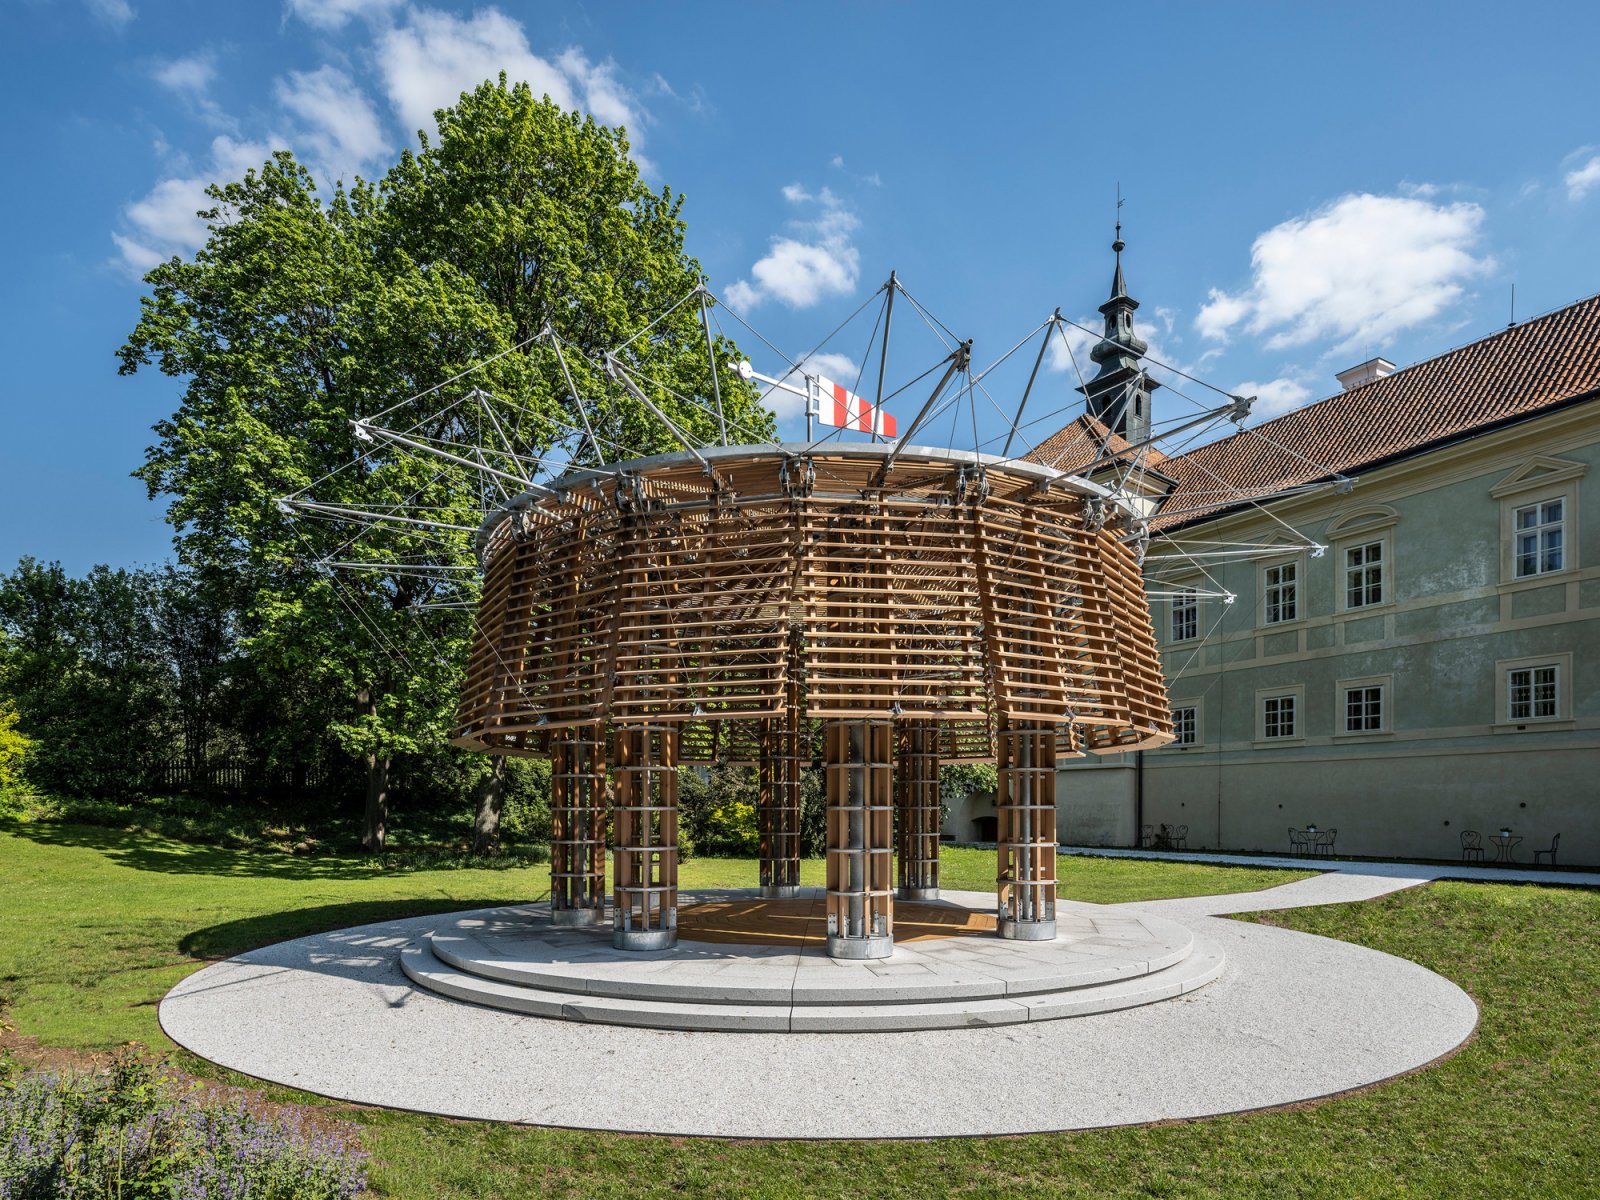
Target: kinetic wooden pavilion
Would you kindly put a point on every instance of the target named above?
(916, 605)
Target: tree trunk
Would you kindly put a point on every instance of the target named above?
(491, 802)
(375, 827)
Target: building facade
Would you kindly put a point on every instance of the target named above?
(1421, 658)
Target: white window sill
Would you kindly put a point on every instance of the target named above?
(1268, 743)
(1535, 725)
(1527, 582)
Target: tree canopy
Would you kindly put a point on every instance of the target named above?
(303, 311)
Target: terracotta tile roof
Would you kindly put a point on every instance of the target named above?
(1517, 372)
(1082, 442)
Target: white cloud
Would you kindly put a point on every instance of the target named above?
(1274, 397)
(430, 60)
(332, 15)
(339, 129)
(164, 221)
(1359, 270)
(115, 13)
(192, 75)
(1584, 178)
(800, 271)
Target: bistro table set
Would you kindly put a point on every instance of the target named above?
(1317, 843)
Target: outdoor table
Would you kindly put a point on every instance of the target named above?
(1503, 845)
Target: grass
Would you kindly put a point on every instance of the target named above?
(96, 924)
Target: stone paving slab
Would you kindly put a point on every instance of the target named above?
(1291, 1017)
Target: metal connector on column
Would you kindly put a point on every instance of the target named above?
(645, 825)
(577, 826)
(1026, 850)
(860, 847)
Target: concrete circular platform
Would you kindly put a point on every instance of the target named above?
(1291, 1017)
(949, 969)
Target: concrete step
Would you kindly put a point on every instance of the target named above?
(1203, 963)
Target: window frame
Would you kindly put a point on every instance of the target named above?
(1295, 562)
(1193, 601)
(1540, 529)
(1197, 727)
(1295, 693)
(1539, 481)
(1341, 699)
(1384, 562)
(1506, 668)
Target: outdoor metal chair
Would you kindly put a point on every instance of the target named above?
(1147, 836)
(1180, 838)
(1551, 853)
(1471, 846)
(1299, 842)
(1324, 844)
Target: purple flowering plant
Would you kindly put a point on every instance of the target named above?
(136, 1131)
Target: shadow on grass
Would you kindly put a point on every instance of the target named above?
(141, 850)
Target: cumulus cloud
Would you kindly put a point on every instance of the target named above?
(333, 15)
(338, 130)
(1358, 270)
(430, 59)
(115, 13)
(165, 220)
(1274, 397)
(1583, 177)
(820, 259)
(191, 75)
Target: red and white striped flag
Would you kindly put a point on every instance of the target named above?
(842, 407)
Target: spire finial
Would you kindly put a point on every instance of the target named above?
(1119, 243)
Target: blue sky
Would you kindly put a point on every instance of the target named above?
(1307, 186)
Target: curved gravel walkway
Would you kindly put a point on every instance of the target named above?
(1293, 1017)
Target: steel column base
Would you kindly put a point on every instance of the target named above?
(878, 946)
(782, 891)
(911, 893)
(578, 918)
(1026, 931)
(644, 939)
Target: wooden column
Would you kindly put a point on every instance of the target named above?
(779, 813)
(1026, 807)
(917, 810)
(860, 821)
(577, 826)
(645, 825)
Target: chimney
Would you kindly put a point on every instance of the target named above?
(1363, 373)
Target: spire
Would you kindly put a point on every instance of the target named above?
(1119, 395)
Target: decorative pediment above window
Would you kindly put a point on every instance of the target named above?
(1540, 471)
(1364, 520)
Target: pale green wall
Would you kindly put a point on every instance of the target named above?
(1449, 620)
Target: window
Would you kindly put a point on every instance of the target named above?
(1185, 615)
(1540, 535)
(1278, 717)
(1539, 519)
(1363, 575)
(1280, 599)
(1185, 725)
(1363, 710)
(1534, 693)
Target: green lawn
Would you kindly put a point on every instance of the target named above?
(96, 924)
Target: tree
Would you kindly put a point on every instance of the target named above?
(80, 663)
(299, 315)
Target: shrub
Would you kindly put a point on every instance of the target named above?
(13, 748)
(135, 1130)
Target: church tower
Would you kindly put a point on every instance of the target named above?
(1119, 395)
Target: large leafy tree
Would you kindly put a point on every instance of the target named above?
(301, 313)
